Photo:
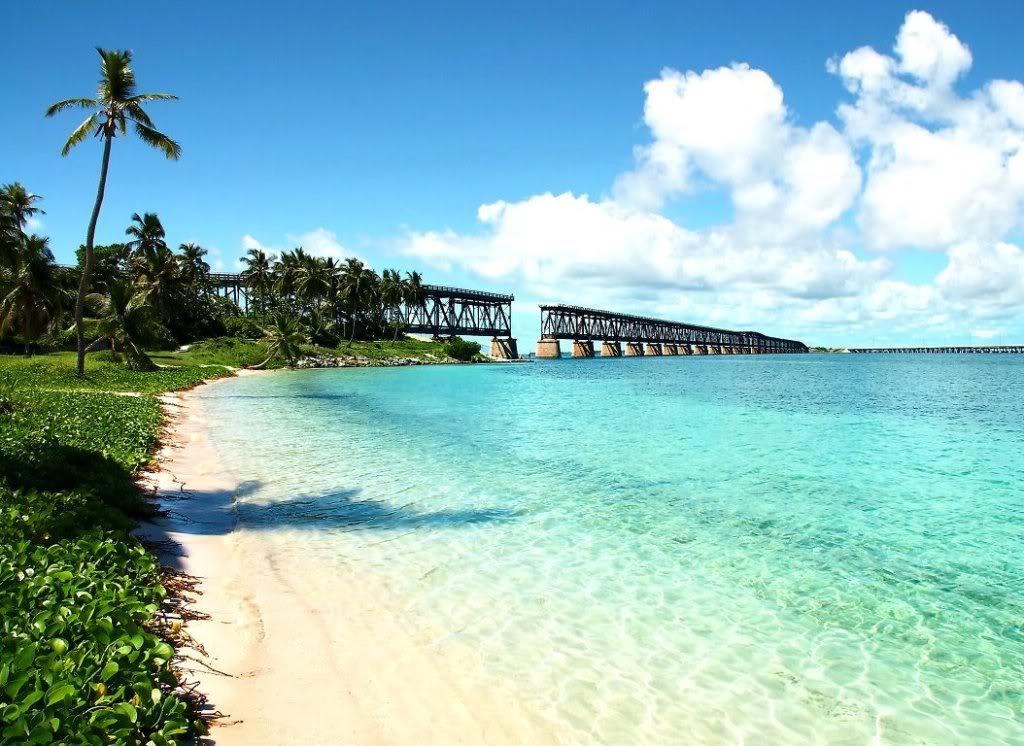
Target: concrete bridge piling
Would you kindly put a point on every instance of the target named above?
(634, 349)
(504, 349)
(582, 348)
(611, 349)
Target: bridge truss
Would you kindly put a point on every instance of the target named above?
(576, 323)
(447, 312)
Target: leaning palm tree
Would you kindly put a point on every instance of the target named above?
(19, 203)
(124, 314)
(116, 102)
(147, 235)
(283, 338)
(32, 298)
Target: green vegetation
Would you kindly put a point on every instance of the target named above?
(80, 657)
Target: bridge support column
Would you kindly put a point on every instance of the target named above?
(611, 349)
(653, 348)
(698, 350)
(504, 349)
(582, 348)
(713, 349)
(682, 349)
(634, 349)
(669, 349)
(548, 348)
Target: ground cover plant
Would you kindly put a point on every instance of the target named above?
(79, 660)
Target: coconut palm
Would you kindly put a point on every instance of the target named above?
(258, 276)
(311, 280)
(19, 203)
(159, 276)
(116, 102)
(195, 270)
(391, 295)
(357, 286)
(32, 299)
(282, 339)
(147, 235)
(124, 313)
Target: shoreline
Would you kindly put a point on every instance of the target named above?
(285, 655)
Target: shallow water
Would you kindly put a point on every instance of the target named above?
(770, 549)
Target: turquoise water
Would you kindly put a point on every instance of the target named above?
(770, 549)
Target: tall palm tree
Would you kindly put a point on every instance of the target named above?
(116, 102)
(32, 298)
(124, 313)
(195, 270)
(19, 203)
(147, 235)
(357, 284)
(258, 276)
(391, 292)
(311, 281)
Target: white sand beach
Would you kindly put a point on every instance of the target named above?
(292, 660)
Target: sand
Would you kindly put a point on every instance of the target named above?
(290, 659)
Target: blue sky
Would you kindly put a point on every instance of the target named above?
(382, 128)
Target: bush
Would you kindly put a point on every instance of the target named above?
(462, 350)
(242, 327)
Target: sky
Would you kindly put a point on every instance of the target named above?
(841, 174)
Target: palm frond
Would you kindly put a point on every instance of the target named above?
(158, 140)
(80, 133)
(144, 97)
(71, 103)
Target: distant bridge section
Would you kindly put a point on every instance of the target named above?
(955, 350)
(643, 335)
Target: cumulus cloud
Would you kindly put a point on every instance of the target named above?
(942, 168)
(914, 163)
(318, 242)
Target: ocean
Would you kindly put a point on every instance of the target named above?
(736, 549)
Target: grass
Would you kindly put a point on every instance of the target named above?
(240, 353)
(78, 660)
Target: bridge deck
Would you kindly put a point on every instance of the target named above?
(590, 324)
(947, 349)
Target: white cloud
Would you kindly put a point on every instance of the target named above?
(914, 164)
(985, 333)
(318, 242)
(941, 168)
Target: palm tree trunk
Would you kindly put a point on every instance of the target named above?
(83, 283)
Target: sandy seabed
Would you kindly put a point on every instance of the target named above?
(292, 657)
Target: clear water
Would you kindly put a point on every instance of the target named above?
(777, 549)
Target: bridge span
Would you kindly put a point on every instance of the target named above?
(646, 336)
(442, 312)
(948, 349)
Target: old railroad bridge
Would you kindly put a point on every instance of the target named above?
(642, 335)
(447, 311)
(955, 350)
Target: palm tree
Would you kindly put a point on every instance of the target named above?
(258, 276)
(159, 276)
(19, 203)
(115, 103)
(147, 234)
(124, 313)
(32, 299)
(195, 271)
(282, 339)
(357, 282)
(311, 280)
(391, 294)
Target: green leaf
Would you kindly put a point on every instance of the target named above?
(109, 670)
(59, 693)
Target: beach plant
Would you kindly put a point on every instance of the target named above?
(116, 103)
(19, 203)
(462, 350)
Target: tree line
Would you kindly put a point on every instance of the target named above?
(141, 293)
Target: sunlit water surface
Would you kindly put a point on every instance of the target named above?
(776, 549)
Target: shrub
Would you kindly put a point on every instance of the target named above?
(462, 350)
(242, 327)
